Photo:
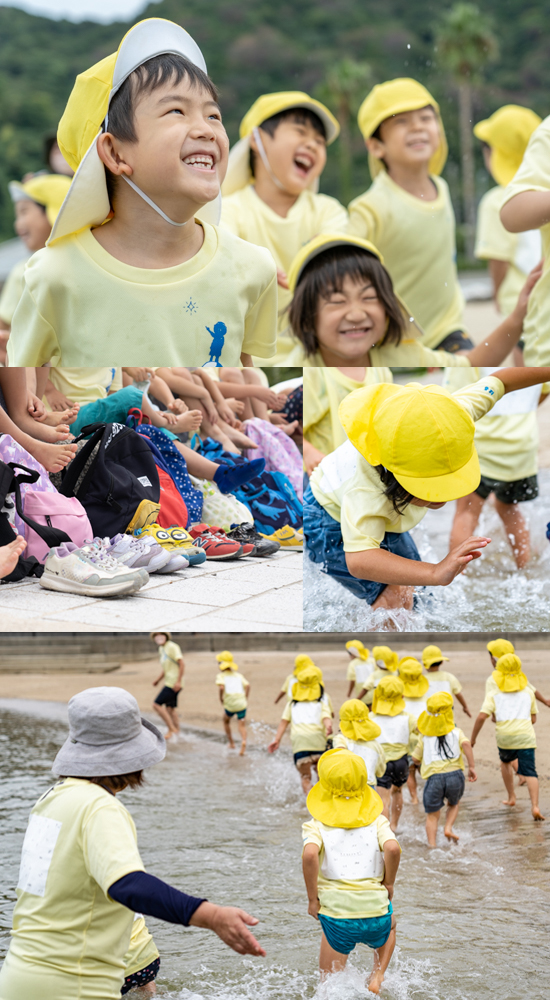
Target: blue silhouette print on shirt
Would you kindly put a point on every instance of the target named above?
(216, 347)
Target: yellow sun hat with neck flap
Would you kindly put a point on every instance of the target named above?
(357, 649)
(307, 687)
(355, 722)
(415, 682)
(342, 796)
(388, 697)
(239, 174)
(439, 719)
(226, 661)
(507, 132)
(499, 647)
(47, 190)
(87, 203)
(301, 661)
(508, 674)
(395, 97)
(420, 433)
(431, 655)
(385, 658)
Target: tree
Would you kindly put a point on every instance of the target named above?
(465, 44)
(343, 88)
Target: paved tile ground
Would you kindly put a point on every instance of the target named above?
(248, 595)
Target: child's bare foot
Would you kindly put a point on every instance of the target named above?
(53, 457)
(9, 554)
(56, 417)
(288, 428)
(537, 815)
(509, 802)
(240, 439)
(450, 835)
(375, 982)
(414, 802)
(243, 751)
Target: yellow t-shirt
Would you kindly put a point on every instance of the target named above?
(417, 241)
(169, 655)
(376, 750)
(513, 710)
(142, 950)
(324, 390)
(307, 731)
(81, 305)
(410, 353)
(360, 671)
(534, 175)
(289, 679)
(234, 684)
(433, 761)
(12, 291)
(442, 680)
(86, 385)
(69, 939)
(350, 489)
(507, 439)
(521, 251)
(397, 733)
(349, 900)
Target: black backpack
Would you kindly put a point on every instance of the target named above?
(115, 478)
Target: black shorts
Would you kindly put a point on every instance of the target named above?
(525, 759)
(167, 697)
(396, 773)
(516, 492)
(137, 979)
(455, 342)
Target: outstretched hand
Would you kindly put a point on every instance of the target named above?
(231, 925)
(457, 560)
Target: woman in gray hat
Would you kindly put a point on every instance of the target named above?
(82, 877)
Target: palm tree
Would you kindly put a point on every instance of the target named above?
(343, 88)
(465, 44)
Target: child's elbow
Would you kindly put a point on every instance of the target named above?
(392, 849)
(355, 562)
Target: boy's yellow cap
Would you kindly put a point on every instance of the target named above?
(507, 132)
(387, 656)
(238, 171)
(88, 202)
(388, 697)
(432, 654)
(226, 661)
(439, 719)
(420, 433)
(48, 190)
(308, 685)
(342, 796)
(394, 98)
(499, 647)
(508, 674)
(359, 649)
(415, 683)
(355, 723)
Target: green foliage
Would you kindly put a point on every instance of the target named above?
(276, 375)
(465, 42)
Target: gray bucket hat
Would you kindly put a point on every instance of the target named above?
(107, 736)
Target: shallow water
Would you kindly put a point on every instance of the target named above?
(491, 595)
(472, 921)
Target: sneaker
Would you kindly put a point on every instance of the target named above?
(288, 538)
(138, 553)
(175, 540)
(247, 545)
(193, 553)
(246, 532)
(89, 571)
(216, 544)
(175, 563)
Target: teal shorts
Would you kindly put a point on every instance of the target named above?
(343, 935)
(240, 715)
(110, 410)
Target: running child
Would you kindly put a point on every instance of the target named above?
(233, 690)
(358, 734)
(385, 663)
(310, 719)
(397, 728)
(442, 680)
(361, 664)
(350, 860)
(440, 752)
(150, 152)
(500, 647)
(409, 448)
(172, 670)
(415, 691)
(302, 660)
(513, 704)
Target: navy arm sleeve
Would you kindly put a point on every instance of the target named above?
(146, 894)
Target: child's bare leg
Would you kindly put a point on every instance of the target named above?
(507, 772)
(395, 596)
(242, 733)
(330, 960)
(52, 457)
(165, 716)
(197, 465)
(305, 776)
(516, 530)
(468, 510)
(20, 424)
(382, 958)
(450, 819)
(396, 806)
(411, 785)
(228, 733)
(235, 376)
(174, 718)
(178, 423)
(385, 795)
(259, 408)
(147, 990)
(521, 778)
(533, 789)
(432, 820)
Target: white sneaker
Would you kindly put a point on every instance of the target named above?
(138, 553)
(89, 571)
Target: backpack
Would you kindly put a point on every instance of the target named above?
(176, 466)
(172, 505)
(13, 482)
(115, 478)
(278, 450)
(53, 511)
(14, 454)
(272, 500)
(222, 509)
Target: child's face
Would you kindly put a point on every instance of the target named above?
(159, 638)
(350, 322)
(407, 140)
(31, 224)
(296, 152)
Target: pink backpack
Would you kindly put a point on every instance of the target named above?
(13, 453)
(279, 451)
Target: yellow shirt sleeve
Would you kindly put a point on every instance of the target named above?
(479, 398)
(493, 241)
(260, 327)
(311, 834)
(488, 706)
(363, 220)
(339, 742)
(418, 750)
(32, 340)
(12, 291)
(385, 832)
(534, 172)
(287, 716)
(351, 672)
(109, 844)
(456, 686)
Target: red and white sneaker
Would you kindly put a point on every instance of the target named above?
(215, 542)
(247, 547)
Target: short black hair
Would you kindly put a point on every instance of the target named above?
(325, 275)
(400, 497)
(302, 116)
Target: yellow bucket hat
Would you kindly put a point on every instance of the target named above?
(48, 190)
(388, 697)
(420, 433)
(507, 132)
(88, 202)
(394, 98)
(307, 687)
(355, 722)
(342, 796)
(356, 647)
(432, 654)
(508, 674)
(226, 661)
(499, 647)
(238, 171)
(415, 683)
(439, 719)
(302, 660)
(384, 655)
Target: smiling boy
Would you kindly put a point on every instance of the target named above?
(129, 272)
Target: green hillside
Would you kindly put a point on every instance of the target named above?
(252, 46)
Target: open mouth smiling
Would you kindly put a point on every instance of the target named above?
(201, 161)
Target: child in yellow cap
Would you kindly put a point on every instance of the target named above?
(361, 665)
(350, 860)
(409, 448)
(397, 728)
(234, 690)
(142, 960)
(143, 130)
(511, 700)
(385, 663)
(301, 661)
(407, 212)
(415, 691)
(358, 734)
(270, 191)
(310, 719)
(439, 752)
(442, 680)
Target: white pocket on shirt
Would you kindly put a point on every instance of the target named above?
(36, 858)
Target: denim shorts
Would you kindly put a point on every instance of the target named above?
(343, 934)
(449, 785)
(525, 759)
(326, 548)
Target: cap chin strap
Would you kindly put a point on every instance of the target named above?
(265, 161)
(151, 203)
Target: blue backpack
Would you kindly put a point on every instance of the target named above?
(272, 502)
